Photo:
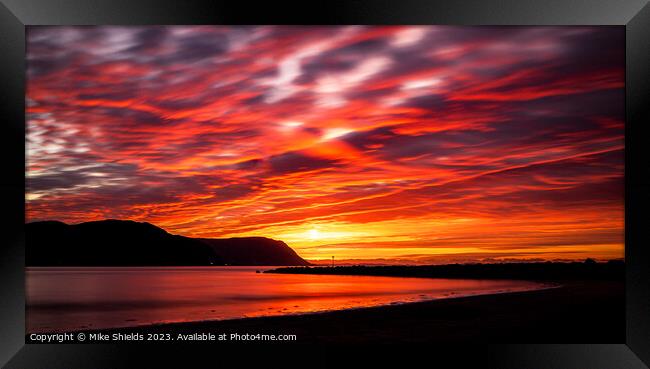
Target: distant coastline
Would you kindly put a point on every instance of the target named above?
(587, 270)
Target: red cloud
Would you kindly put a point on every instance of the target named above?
(394, 142)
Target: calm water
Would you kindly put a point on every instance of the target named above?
(64, 299)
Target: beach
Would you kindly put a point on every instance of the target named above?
(574, 311)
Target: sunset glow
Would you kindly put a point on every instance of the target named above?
(425, 144)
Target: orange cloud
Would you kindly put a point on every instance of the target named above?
(412, 144)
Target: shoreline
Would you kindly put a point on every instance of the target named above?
(310, 313)
(590, 311)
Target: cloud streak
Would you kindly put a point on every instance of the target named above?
(423, 143)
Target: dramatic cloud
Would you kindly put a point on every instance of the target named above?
(424, 144)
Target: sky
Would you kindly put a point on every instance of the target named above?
(409, 144)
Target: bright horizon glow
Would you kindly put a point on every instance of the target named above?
(314, 234)
(417, 144)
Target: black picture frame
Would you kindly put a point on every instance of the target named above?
(633, 14)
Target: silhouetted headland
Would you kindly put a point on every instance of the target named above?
(129, 243)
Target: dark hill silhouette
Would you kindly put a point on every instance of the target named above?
(128, 243)
(254, 251)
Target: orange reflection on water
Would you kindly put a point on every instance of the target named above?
(64, 299)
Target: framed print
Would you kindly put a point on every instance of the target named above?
(187, 181)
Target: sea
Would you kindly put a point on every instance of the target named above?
(67, 299)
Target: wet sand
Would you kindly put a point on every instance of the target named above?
(576, 311)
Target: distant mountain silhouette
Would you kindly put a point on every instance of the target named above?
(253, 251)
(128, 243)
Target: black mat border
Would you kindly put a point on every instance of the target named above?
(633, 14)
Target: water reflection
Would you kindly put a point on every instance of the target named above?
(64, 299)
